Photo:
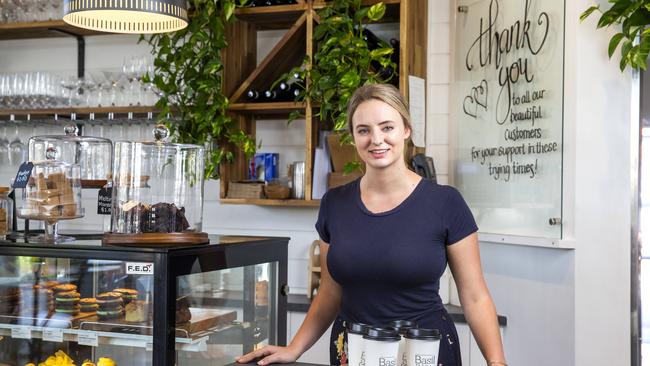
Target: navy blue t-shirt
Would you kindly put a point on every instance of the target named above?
(389, 264)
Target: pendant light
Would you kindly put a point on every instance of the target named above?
(126, 16)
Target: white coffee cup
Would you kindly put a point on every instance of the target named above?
(355, 342)
(422, 346)
(381, 346)
(402, 326)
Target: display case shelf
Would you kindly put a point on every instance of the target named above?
(44, 29)
(196, 343)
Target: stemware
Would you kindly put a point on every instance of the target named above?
(17, 153)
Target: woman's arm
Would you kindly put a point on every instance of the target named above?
(465, 264)
(322, 312)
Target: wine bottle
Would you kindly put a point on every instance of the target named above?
(254, 95)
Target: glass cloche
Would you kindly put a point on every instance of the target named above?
(157, 192)
(93, 154)
(53, 193)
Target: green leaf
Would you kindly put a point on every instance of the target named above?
(377, 11)
(380, 52)
(350, 80)
(588, 12)
(613, 43)
(228, 9)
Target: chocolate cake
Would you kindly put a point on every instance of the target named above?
(159, 218)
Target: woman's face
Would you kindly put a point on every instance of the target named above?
(379, 134)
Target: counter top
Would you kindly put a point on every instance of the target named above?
(300, 303)
(93, 241)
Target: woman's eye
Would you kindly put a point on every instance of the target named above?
(362, 131)
(388, 128)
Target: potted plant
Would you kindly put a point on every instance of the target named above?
(188, 75)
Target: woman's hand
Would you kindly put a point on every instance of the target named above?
(270, 354)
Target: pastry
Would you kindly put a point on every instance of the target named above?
(10, 300)
(136, 311)
(88, 305)
(52, 197)
(128, 294)
(67, 302)
(183, 314)
(64, 288)
(158, 218)
(105, 361)
(49, 284)
(109, 305)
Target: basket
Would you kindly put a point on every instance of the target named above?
(245, 190)
(277, 192)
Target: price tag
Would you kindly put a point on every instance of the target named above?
(104, 201)
(22, 177)
(53, 335)
(148, 346)
(21, 332)
(87, 339)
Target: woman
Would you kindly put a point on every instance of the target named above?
(387, 238)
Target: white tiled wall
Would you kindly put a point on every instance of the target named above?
(438, 86)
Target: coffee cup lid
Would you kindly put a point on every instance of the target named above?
(422, 333)
(402, 325)
(381, 334)
(355, 328)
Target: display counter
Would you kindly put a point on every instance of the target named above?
(142, 304)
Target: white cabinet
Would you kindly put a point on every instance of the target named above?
(319, 353)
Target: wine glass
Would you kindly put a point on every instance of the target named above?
(4, 146)
(17, 152)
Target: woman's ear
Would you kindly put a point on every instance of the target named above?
(407, 132)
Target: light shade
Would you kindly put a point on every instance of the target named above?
(126, 16)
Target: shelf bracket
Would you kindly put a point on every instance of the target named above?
(81, 50)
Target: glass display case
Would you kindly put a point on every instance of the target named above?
(157, 191)
(93, 154)
(142, 305)
(52, 194)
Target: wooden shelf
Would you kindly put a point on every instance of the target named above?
(267, 108)
(78, 111)
(243, 74)
(272, 17)
(270, 202)
(45, 29)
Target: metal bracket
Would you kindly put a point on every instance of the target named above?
(81, 50)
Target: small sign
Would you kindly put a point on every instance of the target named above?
(148, 346)
(87, 339)
(139, 268)
(24, 172)
(104, 201)
(21, 332)
(53, 335)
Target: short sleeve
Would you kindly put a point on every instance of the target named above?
(459, 221)
(322, 224)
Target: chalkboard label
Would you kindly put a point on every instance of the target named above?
(104, 201)
(22, 177)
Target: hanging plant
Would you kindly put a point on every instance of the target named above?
(188, 74)
(634, 18)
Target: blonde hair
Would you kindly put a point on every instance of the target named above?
(383, 92)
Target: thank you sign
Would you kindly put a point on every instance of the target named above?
(508, 112)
